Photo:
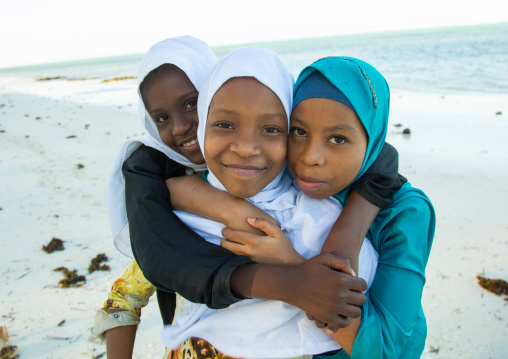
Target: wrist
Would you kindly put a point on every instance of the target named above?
(260, 281)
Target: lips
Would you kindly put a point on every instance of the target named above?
(243, 171)
(308, 183)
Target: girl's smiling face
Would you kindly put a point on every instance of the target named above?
(327, 145)
(246, 136)
(171, 100)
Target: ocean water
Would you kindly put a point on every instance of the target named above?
(448, 60)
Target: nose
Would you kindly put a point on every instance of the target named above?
(245, 145)
(181, 125)
(313, 154)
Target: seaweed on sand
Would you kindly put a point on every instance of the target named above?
(56, 244)
(95, 263)
(72, 278)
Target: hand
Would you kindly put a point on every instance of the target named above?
(272, 248)
(346, 268)
(325, 288)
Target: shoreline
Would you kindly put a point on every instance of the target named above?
(456, 153)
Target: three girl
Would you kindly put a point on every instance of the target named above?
(228, 264)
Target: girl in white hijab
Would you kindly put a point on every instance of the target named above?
(195, 58)
(243, 111)
(188, 60)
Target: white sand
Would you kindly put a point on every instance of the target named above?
(457, 152)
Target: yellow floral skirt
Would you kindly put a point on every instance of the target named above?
(195, 348)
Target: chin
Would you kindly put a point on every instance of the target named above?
(316, 195)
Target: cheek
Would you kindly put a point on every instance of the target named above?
(167, 137)
(281, 153)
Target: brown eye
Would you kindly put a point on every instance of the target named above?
(161, 118)
(224, 125)
(337, 140)
(191, 104)
(298, 132)
(271, 130)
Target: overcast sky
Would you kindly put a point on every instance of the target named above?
(34, 31)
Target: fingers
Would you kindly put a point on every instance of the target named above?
(357, 284)
(309, 316)
(337, 323)
(319, 323)
(269, 228)
(240, 237)
(234, 247)
(338, 263)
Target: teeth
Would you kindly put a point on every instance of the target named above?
(193, 142)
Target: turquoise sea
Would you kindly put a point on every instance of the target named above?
(457, 59)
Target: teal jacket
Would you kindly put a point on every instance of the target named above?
(393, 322)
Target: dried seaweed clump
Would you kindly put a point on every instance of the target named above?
(7, 351)
(56, 244)
(95, 264)
(114, 79)
(496, 286)
(71, 278)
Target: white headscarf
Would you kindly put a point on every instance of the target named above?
(196, 59)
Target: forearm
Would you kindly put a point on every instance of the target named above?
(348, 232)
(120, 342)
(193, 195)
(317, 286)
(346, 336)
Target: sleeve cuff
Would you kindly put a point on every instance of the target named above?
(104, 321)
(222, 295)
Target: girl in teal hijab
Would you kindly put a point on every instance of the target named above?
(338, 128)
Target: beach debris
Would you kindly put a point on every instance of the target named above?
(496, 286)
(95, 356)
(86, 126)
(119, 79)
(7, 351)
(499, 113)
(2, 131)
(70, 339)
(95, 263)
(71, 136)
(38, 118)
(61, 323)
(82, 78)
(71, 278)
(56, 244)
(433, 349)
(406, 131)
(80, 166)
(397, 125)
(49, 78)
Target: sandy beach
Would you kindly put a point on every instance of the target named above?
(59, 137)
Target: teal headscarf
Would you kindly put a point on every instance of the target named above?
(368, 93)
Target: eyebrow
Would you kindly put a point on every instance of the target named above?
(340, 127)
(188, 94)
